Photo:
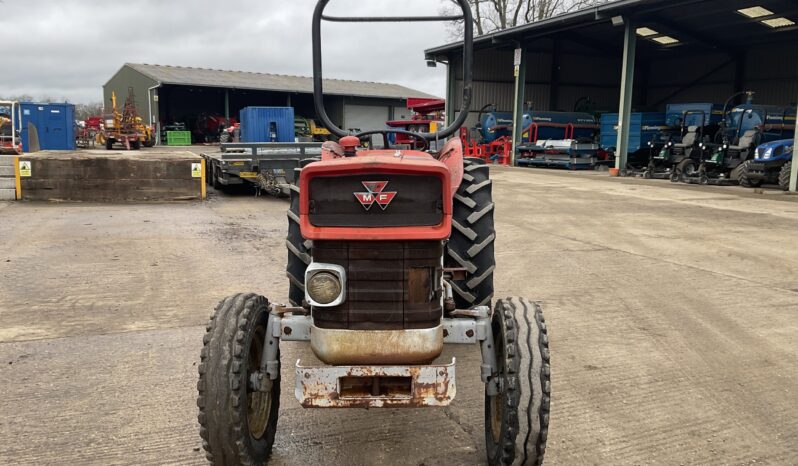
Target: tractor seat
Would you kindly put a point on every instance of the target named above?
(689, 139)
(746, 140)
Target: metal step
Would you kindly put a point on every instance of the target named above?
(6, 170)
(7, 183)
(8, 194)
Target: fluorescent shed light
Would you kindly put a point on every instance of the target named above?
(645, 32)
(755, 12)
(778, 22)
(665, 40)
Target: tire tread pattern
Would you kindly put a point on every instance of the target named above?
(784, 176)
(471, 244)
(527, 384)
(222, 418)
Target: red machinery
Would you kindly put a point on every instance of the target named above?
(10, 125)
(427, 117)
(499, 151)
(390, 257)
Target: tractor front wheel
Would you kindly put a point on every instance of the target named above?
(517, 418)
(237, 420)
(743, 176)
(784, 176)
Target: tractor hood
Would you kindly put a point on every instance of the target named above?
(376, 195)
(776, 150)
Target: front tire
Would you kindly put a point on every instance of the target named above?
(784, 176)
(687, 170)
(744, 179)
(517, 419)
(473, 235)
(237, 424)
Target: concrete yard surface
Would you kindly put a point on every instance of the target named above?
(672, 313)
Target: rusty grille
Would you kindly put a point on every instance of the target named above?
(390, 285)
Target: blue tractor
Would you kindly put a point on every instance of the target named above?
(770, 165)
(742, 130)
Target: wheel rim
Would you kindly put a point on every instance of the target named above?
(258, 403)
(496, 404)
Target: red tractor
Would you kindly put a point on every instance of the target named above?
(390, 256)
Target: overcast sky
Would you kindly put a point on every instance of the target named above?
(70, 48)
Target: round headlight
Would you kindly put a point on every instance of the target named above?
(725, 146)
(670, 144)
(324, 287)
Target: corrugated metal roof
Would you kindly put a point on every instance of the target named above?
(271, 82)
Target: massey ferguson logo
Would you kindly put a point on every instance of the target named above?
(374, 193)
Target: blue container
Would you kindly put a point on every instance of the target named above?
(267, 124)
(697, 114)
(643, 128)
(55, 125)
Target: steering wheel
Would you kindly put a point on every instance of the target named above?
(419, 142)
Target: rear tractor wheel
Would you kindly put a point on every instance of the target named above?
(784, 176)
(471, 243)
(517, 418)
(237, 420)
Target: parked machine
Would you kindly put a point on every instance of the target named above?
(686, 127)
(308, 130)
(390, 256)
(560, 140)
(10, 127)
(771, 165)
(743, 129)
(125, 127)
(644, 129)
(427, 118)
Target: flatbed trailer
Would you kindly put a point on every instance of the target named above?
(268, 166)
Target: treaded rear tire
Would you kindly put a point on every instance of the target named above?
(238, 322)
(517, 419)
(298, 253)
(471, 244)
(784, 176)
(744, 180)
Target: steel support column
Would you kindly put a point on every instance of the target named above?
(794, 170)
(627, 93)
(227, 104)
(450, 92)
(519, 69)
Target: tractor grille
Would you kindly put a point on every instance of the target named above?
(418, 201)
(390, 285)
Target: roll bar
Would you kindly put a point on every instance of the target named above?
(468, 56)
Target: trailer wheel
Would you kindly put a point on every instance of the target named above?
(109, 144)
(237, 422)
(135, 145)
(215, 178)
(517, 419)
(744, 180)
(298, 253)
(784, 176)
(471, 243)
